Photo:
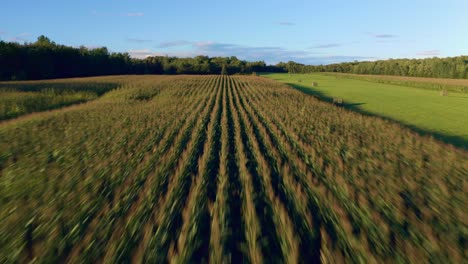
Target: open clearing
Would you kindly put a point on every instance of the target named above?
(190, 169)
(424, 110)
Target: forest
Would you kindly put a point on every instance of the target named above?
(44, 59)
(451, 67)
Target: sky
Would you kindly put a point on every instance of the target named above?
(310, 32)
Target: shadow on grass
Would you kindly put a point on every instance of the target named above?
(354, 104)
(457, 141)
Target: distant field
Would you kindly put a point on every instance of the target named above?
(441, 81)
(424, 110)
(20, 98)
(224, 169)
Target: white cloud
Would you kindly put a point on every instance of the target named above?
(429, 53)
(176, 43)
(328, 45)
(385, 36)
(141, 54)
(137, 40)
(22, 37)
(269, 54)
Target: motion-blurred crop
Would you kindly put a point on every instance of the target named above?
(225, 169)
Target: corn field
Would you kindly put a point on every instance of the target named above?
(225, 169)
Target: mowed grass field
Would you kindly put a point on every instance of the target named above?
(224, 169)
(425, 110)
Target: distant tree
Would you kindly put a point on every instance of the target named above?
(224, 70)
(455, 67)
(44, 41)
(46, 59)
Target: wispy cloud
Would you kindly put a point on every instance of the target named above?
(136, 14)
(22, 37)
(143, 53)
(337, 59)
(2, 32)
(327, 46)
(384, 36)
(171, 44)
(429, 53)
(137, 40)
(269, 54)
(286, 23)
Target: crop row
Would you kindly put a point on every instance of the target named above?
(187, 169)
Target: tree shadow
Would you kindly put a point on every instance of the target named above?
(457, 141)
(323, 97)
(353, 104)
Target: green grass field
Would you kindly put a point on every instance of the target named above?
(446, 117)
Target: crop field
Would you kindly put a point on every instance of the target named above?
(414, 102)
(225, 169)
(19, 98)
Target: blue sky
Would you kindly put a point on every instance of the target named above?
(311, 32)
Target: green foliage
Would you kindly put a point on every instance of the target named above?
(17, 99)
(224, 70)
(13, 104)
(44, 59)
(452, 67)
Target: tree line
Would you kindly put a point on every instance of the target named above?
(44, 59)
(451, 67)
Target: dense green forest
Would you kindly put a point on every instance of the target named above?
(452, 67)
(44, 59)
